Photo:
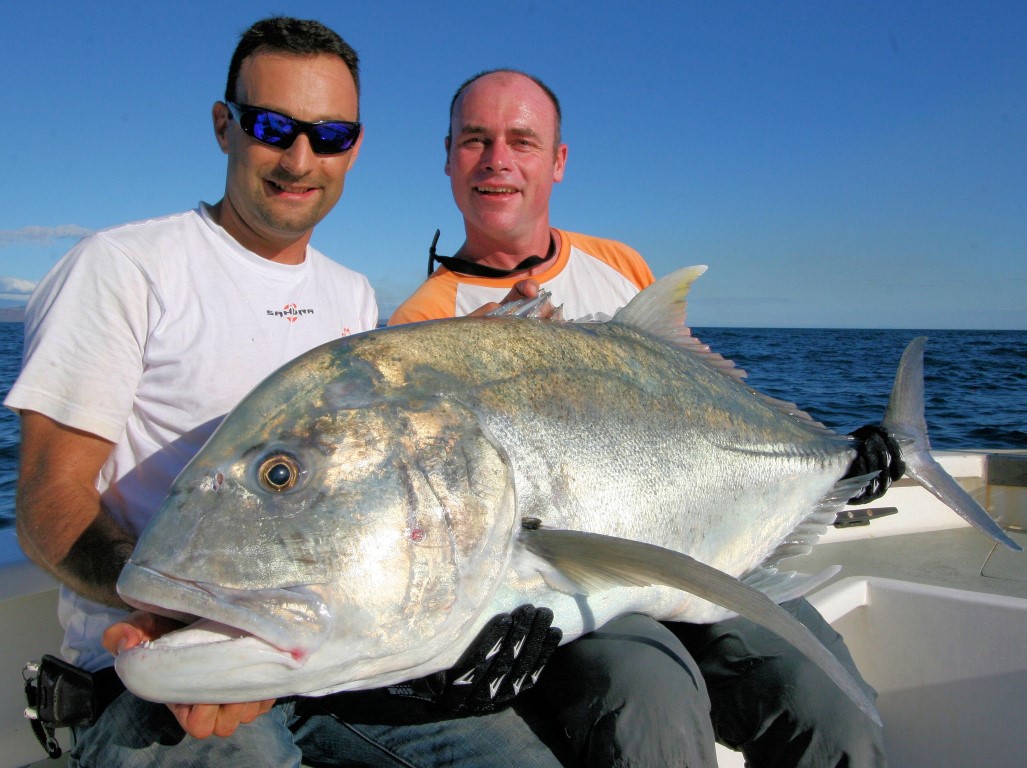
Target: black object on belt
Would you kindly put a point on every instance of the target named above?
(61, 695)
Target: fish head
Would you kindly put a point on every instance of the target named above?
(337, 531)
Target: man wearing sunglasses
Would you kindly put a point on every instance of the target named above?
(137, 344)
(637, 692)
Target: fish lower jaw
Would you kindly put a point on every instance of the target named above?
(241, 614)
(204, 634)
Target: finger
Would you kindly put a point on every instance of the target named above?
(203, 720)
(537, 644)
(484, 649)
(513, 664)
(553, 637)
(120, 637)
(877, 448)
(528, 629)
(255, 709)
(524, 289)
(231, 716)
(468, 681)
(484, 309)
(197, 720)
(137, 627)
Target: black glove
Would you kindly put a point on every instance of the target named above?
(504, 660)
(875, 450)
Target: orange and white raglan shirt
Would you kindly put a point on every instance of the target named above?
(592, 278)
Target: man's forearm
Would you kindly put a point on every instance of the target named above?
(95, 560)
(62, 522)
(90, 564)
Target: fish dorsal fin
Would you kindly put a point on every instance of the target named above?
(661, 311)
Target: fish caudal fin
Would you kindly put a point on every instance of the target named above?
(596, 562)
(904, 421)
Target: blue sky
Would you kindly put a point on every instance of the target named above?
(835, 164)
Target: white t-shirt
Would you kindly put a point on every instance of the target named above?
(147, 335)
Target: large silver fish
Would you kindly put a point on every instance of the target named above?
(368, 507)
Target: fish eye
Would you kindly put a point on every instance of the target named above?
(279, 473)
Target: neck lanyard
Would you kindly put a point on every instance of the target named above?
(464, 267)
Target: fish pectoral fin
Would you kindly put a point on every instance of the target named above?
(782, 586)
(597, 562)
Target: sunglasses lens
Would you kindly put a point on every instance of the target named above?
(272, 128)
(332, 138)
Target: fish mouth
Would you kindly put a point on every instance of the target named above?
(292, 622)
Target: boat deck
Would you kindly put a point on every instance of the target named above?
(935, 615)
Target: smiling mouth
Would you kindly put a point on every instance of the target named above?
(495, 190)
(289, 189)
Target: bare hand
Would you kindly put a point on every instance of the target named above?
(203, 720)
(527, 288)
(198, 720)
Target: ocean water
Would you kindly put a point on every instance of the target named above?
(10, 363)
(975, 382)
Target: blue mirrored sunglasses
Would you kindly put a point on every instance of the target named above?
(328, 137)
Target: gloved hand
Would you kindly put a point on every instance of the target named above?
(504, 660)
(875, 450)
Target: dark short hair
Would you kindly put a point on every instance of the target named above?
(283, 34)
(467, 83)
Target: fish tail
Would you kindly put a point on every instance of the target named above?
(904, 421)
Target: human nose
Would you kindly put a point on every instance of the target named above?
(496, 157)
(299, 158)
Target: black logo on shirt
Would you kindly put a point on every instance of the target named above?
(290, 312)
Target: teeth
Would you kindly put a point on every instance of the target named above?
(496, 190)
(297, 190)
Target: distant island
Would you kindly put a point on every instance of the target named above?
(12, 314)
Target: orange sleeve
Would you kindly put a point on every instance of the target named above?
(434, 299)
(621, 257)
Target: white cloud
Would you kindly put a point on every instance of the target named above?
(36, 234)
(15, 285)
